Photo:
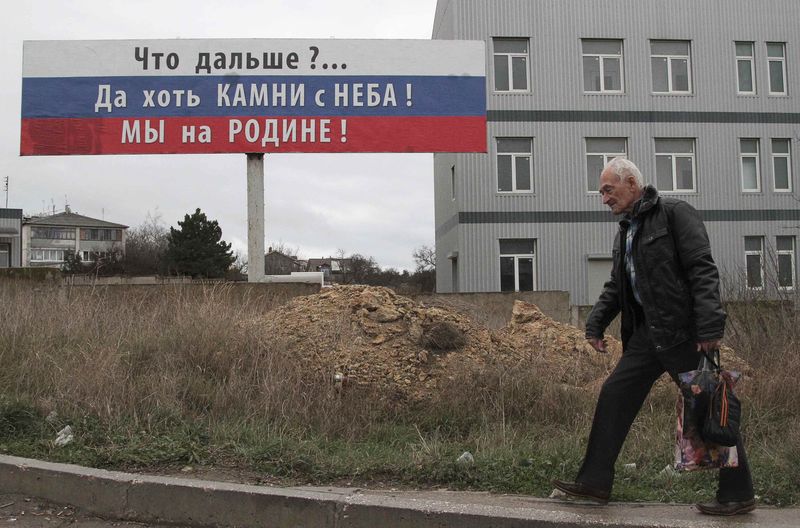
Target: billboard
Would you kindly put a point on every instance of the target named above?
(252, 95)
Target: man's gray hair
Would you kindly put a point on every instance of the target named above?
(623, 167)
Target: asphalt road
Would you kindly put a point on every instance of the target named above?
(27, 512)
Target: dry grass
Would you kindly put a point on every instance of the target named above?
(167, 351)
(145, 356)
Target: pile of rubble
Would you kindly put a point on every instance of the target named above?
(369, 335)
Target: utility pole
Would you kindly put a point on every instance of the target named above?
(6, 187)
(255, 217)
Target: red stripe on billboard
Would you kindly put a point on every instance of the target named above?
(213, 135)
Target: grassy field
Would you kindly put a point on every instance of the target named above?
(166, 377)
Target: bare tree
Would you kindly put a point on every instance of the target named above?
(145, 246)
(284, 248)
(425, 258)
(425, 275)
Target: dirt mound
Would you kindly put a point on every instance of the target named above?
(371, 335)
(561, 348)
(367, 335)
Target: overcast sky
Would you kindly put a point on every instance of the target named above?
(379, 205)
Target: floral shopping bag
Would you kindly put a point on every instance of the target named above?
(697, 388)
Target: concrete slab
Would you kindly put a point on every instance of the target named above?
(192, 502)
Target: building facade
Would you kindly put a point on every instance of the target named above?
(46, 239)
(278, 263)
(10, 238)
(703, 95)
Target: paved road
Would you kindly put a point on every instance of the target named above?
(26, 512)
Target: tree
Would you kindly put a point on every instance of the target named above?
(146, 247)
(425, 258)
(72, 262)
(197, 248)
(105, 264)
(425, 275)
(362, 269)
(238, 270)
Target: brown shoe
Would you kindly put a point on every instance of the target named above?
(582, 491)
(726, 508)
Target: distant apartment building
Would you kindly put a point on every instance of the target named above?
(704, 96)
(46, 239)
(10, 238)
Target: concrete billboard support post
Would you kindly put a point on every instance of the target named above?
(255, 217)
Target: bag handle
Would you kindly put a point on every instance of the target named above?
(711, 359)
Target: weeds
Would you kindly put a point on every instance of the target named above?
(172, 376)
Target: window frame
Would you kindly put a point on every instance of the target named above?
(606, 158)
(45, 253)
(509, 56)
(788, 157)
(673, 157)
(782, 60)
(760, 254)
(101, 234)
(91, 256)
(517, 257)
(792, 262)
(670, 58)
(61, 233)
(602, 57)
(757, 157)
(751, 60)
(514, 156)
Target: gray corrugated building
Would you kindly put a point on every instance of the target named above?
(10, 238)
(701, 94)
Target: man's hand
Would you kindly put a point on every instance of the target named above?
(708, 346)
(598, 344)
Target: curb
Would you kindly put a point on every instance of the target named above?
(171, 500)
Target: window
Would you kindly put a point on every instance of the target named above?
(515, 165)
(600, 151)
(517, 264)
(5, 255)
(510, 65)
(671, 65)
(784, 246)
(47, 255)
(53, 233)
(781, 165)
(745, 69)
(776, 60)
(101, 234)
(748, 164)
(754, 261)
(675, 165)
(602, 66)
(453, 182)
(454, 274)
(89, 256)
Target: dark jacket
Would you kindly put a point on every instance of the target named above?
(676, 277)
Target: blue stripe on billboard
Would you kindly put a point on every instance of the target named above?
(76, 97)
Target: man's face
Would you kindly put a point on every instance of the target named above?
(619, 194)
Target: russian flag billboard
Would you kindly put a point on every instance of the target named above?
(243, 95)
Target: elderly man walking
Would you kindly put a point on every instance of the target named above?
(665, 283)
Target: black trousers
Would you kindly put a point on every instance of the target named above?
(622, 396)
